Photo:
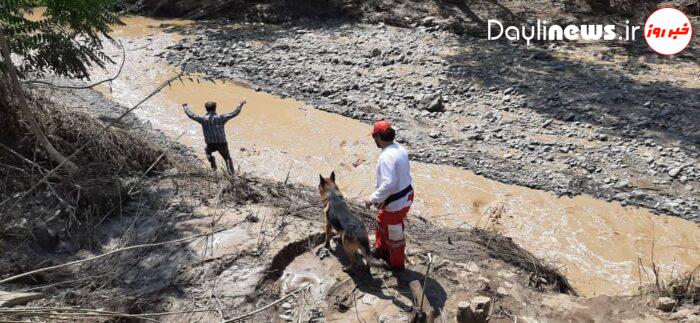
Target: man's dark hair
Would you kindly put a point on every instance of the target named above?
(210, 106)
(388, 135)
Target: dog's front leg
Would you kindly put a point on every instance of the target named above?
(329, 233)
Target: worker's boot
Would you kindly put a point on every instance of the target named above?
(229, 166)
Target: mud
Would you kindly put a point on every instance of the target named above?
(613, 131)
(598, 243)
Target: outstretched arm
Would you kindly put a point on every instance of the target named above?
(234, 113)
(191, 114)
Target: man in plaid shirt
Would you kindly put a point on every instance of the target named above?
(213, 129)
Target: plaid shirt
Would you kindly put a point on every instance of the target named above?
(213, 124)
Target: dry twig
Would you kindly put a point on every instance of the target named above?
(79, 87)
(268, 305)
(104, 255)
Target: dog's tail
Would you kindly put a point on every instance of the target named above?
(371, 260)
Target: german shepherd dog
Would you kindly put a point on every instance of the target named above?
(353, 235)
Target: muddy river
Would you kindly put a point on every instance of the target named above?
(597, 243)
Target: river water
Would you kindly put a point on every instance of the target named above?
(597, 243)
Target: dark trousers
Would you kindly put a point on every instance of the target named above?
(223, 151)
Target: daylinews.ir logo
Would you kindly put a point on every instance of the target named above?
(667, 31)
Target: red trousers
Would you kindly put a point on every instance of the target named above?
(390, 241)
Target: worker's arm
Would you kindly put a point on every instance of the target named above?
(389, 181)
(234, 113)
(191, 114)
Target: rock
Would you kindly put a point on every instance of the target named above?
(665, 304)
(376, 52)
(427, 21)
(681, 314)
(45, 236)
(474, 311)
(674, 172)
(8, 299)
(369, 299)
(286, 305)
(569, 117)
(287, 318)
(502, 291)
(435, 105)
(542, 55)
(322, 252)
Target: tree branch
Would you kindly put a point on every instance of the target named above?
(9, 279)
(24, 106)
(268, 305)
(82, 87)
(51, 172)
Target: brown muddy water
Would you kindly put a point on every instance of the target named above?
(597, 243)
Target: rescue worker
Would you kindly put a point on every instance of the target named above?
(393, 196)
(214, 132)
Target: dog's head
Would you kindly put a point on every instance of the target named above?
(326, 185)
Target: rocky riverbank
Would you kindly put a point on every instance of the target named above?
(609, 121)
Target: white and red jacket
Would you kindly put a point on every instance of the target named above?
(393, 176)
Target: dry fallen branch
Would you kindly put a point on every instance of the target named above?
(86, 144)
(268, 305)
(106, 254)
(23, 105)
(73, 311)
(156, 161)
(80, 87)
(68, 312)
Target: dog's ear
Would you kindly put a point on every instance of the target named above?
(320, 177)
(333, 176)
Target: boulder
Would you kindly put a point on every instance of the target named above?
(674, 172)
(435, 105)
(665, 304)
(474, 311)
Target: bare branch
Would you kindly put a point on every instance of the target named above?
(81, 87)
(88, 142)
(105, 255)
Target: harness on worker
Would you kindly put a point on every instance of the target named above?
(397, 196)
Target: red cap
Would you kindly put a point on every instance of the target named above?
(381, 127)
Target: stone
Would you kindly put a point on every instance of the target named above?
(681, 314)
(427, 20)
(569, 117)
(8, 299)
(502, 291)
(435, 105)
(286, 305)
(665, 304)
(376, 52)
(369, 299)
(474, 311)
(674, 172)
(287, 318)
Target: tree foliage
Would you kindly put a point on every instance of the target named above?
(66, 39)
